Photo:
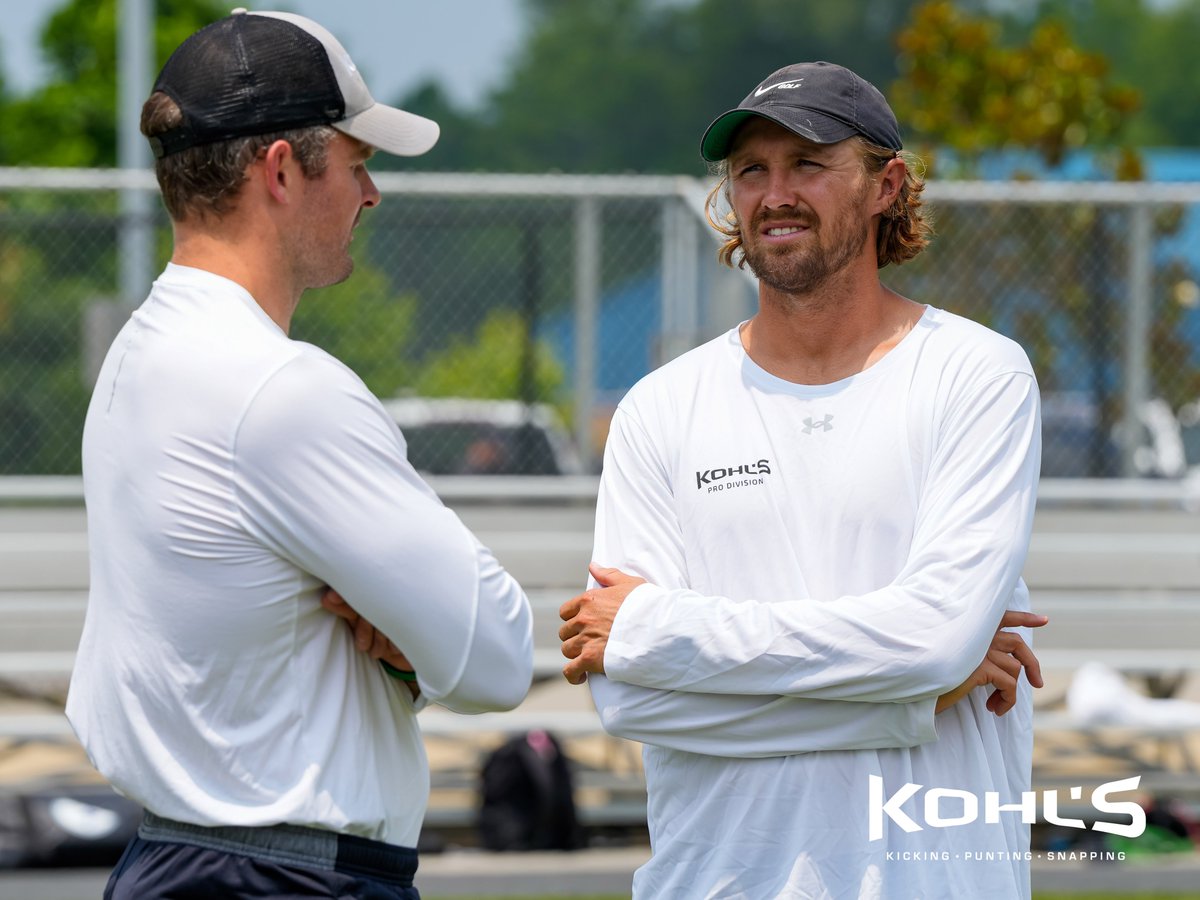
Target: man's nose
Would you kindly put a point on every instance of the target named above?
(781, 191)
(371, 195)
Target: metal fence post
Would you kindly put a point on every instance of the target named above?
(1137, 333)
(680, 285)
(587, 301)
(134, 54)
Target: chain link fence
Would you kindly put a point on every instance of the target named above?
(502, 317)
(1098, 283)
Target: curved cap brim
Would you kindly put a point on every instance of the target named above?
(392, 130)
(816, 127)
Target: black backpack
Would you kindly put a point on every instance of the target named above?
(527, 796)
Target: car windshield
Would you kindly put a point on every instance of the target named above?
(1191, 443)
(473, 448)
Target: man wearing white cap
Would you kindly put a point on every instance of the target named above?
(236, 479)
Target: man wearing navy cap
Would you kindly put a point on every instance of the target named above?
(809, 539)
(234, 476)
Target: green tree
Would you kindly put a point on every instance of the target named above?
(59, 253)
(1142, 40)
(43, 392)
(489, 365)
(1155, 40)
(962, 89)
(972, 86)
(71, 119)
(630, 85)
(364, 324)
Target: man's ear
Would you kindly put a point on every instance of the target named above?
(891, 180)
(281, 171)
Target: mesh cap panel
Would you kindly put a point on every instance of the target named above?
(247, 75)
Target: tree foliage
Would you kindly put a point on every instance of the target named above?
(630, 85)
(43, 394)
(365, 324)
(71, 119)
(973, 84)
(488, 364)
(963, 89)
(1148, 44)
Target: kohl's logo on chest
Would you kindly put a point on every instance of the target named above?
(732, 477)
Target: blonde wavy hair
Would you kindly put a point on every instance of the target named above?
(905, 229)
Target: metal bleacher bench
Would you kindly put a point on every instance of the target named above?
(548, 665)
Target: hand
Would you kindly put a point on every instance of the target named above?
(589, 619)
(1001, 666)
(367, 638)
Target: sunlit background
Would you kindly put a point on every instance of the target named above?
(553, 249)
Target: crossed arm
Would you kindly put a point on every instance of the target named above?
(674, 655)
(370, 640)
(341, 502)
(588, 620)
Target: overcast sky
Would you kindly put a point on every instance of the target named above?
(397, 44)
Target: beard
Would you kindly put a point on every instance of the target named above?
(337, 271)
(318, 262)
(804, 266)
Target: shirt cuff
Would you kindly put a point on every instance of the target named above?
(924, 720)
(418, 702)
(623, 656)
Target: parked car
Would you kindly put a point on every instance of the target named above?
(1160, 450)
(1189, 435)
(459, 436)
(1074, 444)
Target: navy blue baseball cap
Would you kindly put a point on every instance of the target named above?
(821, 101)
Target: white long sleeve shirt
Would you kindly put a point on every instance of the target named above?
(823, 562)
(229, 474)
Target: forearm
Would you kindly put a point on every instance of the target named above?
(756, 726)
(497, 669)
(345, 506)
(681, 640)
(465, 626)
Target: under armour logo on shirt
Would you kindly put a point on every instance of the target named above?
(825, 424)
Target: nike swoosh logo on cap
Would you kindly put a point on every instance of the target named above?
(758, 92)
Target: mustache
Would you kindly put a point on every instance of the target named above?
(793, 216)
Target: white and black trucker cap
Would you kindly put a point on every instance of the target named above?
(260, 72)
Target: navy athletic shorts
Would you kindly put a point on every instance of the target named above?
(179, 861)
